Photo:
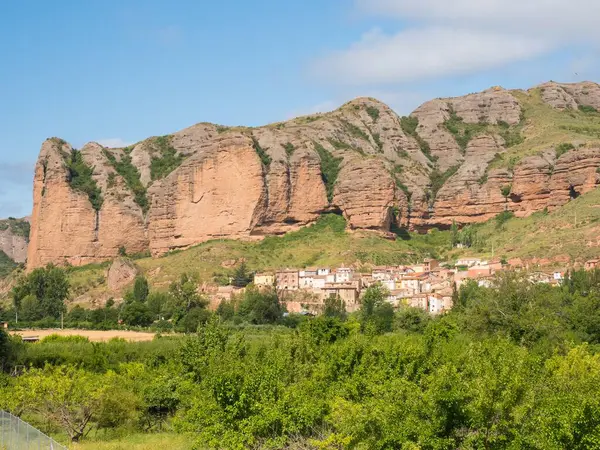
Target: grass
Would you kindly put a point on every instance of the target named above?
(544, 127)
(373, 112)
(289, 149)
(571, 231)
(147, 441)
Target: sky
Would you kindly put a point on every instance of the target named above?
(118, 71)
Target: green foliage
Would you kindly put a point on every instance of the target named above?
(242, 276)
(334, 307)
(137, 314)
(505, 190)
(376, 314)
(503, 217)
(409, 125)
(131, 175)
(7, 265)
(377, 139)
(18, 227)
(396, 171)
(563, 148)
(260, 307)
(483, 179)
(330, 168)
(262, 153)
(48, 286)
(289, 149)
(437, 179)
(80, 178)
(463, 132)
(373, 112)
(167, 160)
(587, 109)
(140, 289)
(512, 136)
(354, 131)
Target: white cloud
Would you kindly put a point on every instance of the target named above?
(547, 17)
(422, 53)
(459, 37)
(114, 142)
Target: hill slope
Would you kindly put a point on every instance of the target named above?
(461, 160)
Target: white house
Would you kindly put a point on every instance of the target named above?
(343, 275)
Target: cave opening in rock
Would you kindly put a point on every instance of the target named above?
(573, 194)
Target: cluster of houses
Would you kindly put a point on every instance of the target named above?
(428, 285)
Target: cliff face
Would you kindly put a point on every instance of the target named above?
(14, 236)
(462, 159)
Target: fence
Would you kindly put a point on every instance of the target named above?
(18, 435)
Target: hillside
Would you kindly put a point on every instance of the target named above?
(14, 237)
(459, 160)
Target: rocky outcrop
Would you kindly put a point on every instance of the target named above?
(571, 95)
(205, 182)
(14, 237)
(121, 273)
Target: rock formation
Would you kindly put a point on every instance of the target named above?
(452, 160)
(14, 236)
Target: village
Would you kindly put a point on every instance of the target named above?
(428, 285)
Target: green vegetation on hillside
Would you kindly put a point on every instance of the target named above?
(409, 125)
(330, 168)
(262, 154)
(547, 127)
(354, 131)
(80, 178)
(437, 179)
(289, 149)
(515, 365)
(18, 227)
(167, 160)
(373, 113)
(7, 265)
(131, 175)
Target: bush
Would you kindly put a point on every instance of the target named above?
(330, 168)
(262, 154)
(167, 160)
(563, 148)
(131, 175)
(80, 178)
(587, 109)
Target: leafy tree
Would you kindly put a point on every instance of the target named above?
(137, 314)
(260, 307)
(334, 307)
(241, 277)
(194, 318)
(184, 296)
(376, 315)
(226, 310)
(31, 309)
(140, 289)
(48, 285)
(454, 232)
(158, 303)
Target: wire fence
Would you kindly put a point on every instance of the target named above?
(18, 435)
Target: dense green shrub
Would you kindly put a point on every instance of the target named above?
(262, 153)
(330, 168)
(80, 178)
(165, 159)
(131, 175)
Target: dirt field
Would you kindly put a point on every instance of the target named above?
(92, 335)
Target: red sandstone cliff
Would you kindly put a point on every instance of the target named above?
(208, 182)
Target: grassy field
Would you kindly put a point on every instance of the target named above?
(546, 127)
(571, 231)
(165, 441)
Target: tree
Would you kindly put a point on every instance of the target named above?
(157, 303)
(241, 276)
(260, 307)
(184, 296)
(31, 309)
(376, 315)
(140, 289)
(226, 310)
(50, 287)
(194, 318)
(137, 314)
(334, 307)
(454, 232)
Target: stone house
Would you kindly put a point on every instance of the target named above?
(264, 279)
(287, 280)
(343, 275)
(348, 292)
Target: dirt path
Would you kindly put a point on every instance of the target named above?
(92, 335)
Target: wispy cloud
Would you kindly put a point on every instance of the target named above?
(440, 38)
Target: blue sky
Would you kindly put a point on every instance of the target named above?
(118, 71)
